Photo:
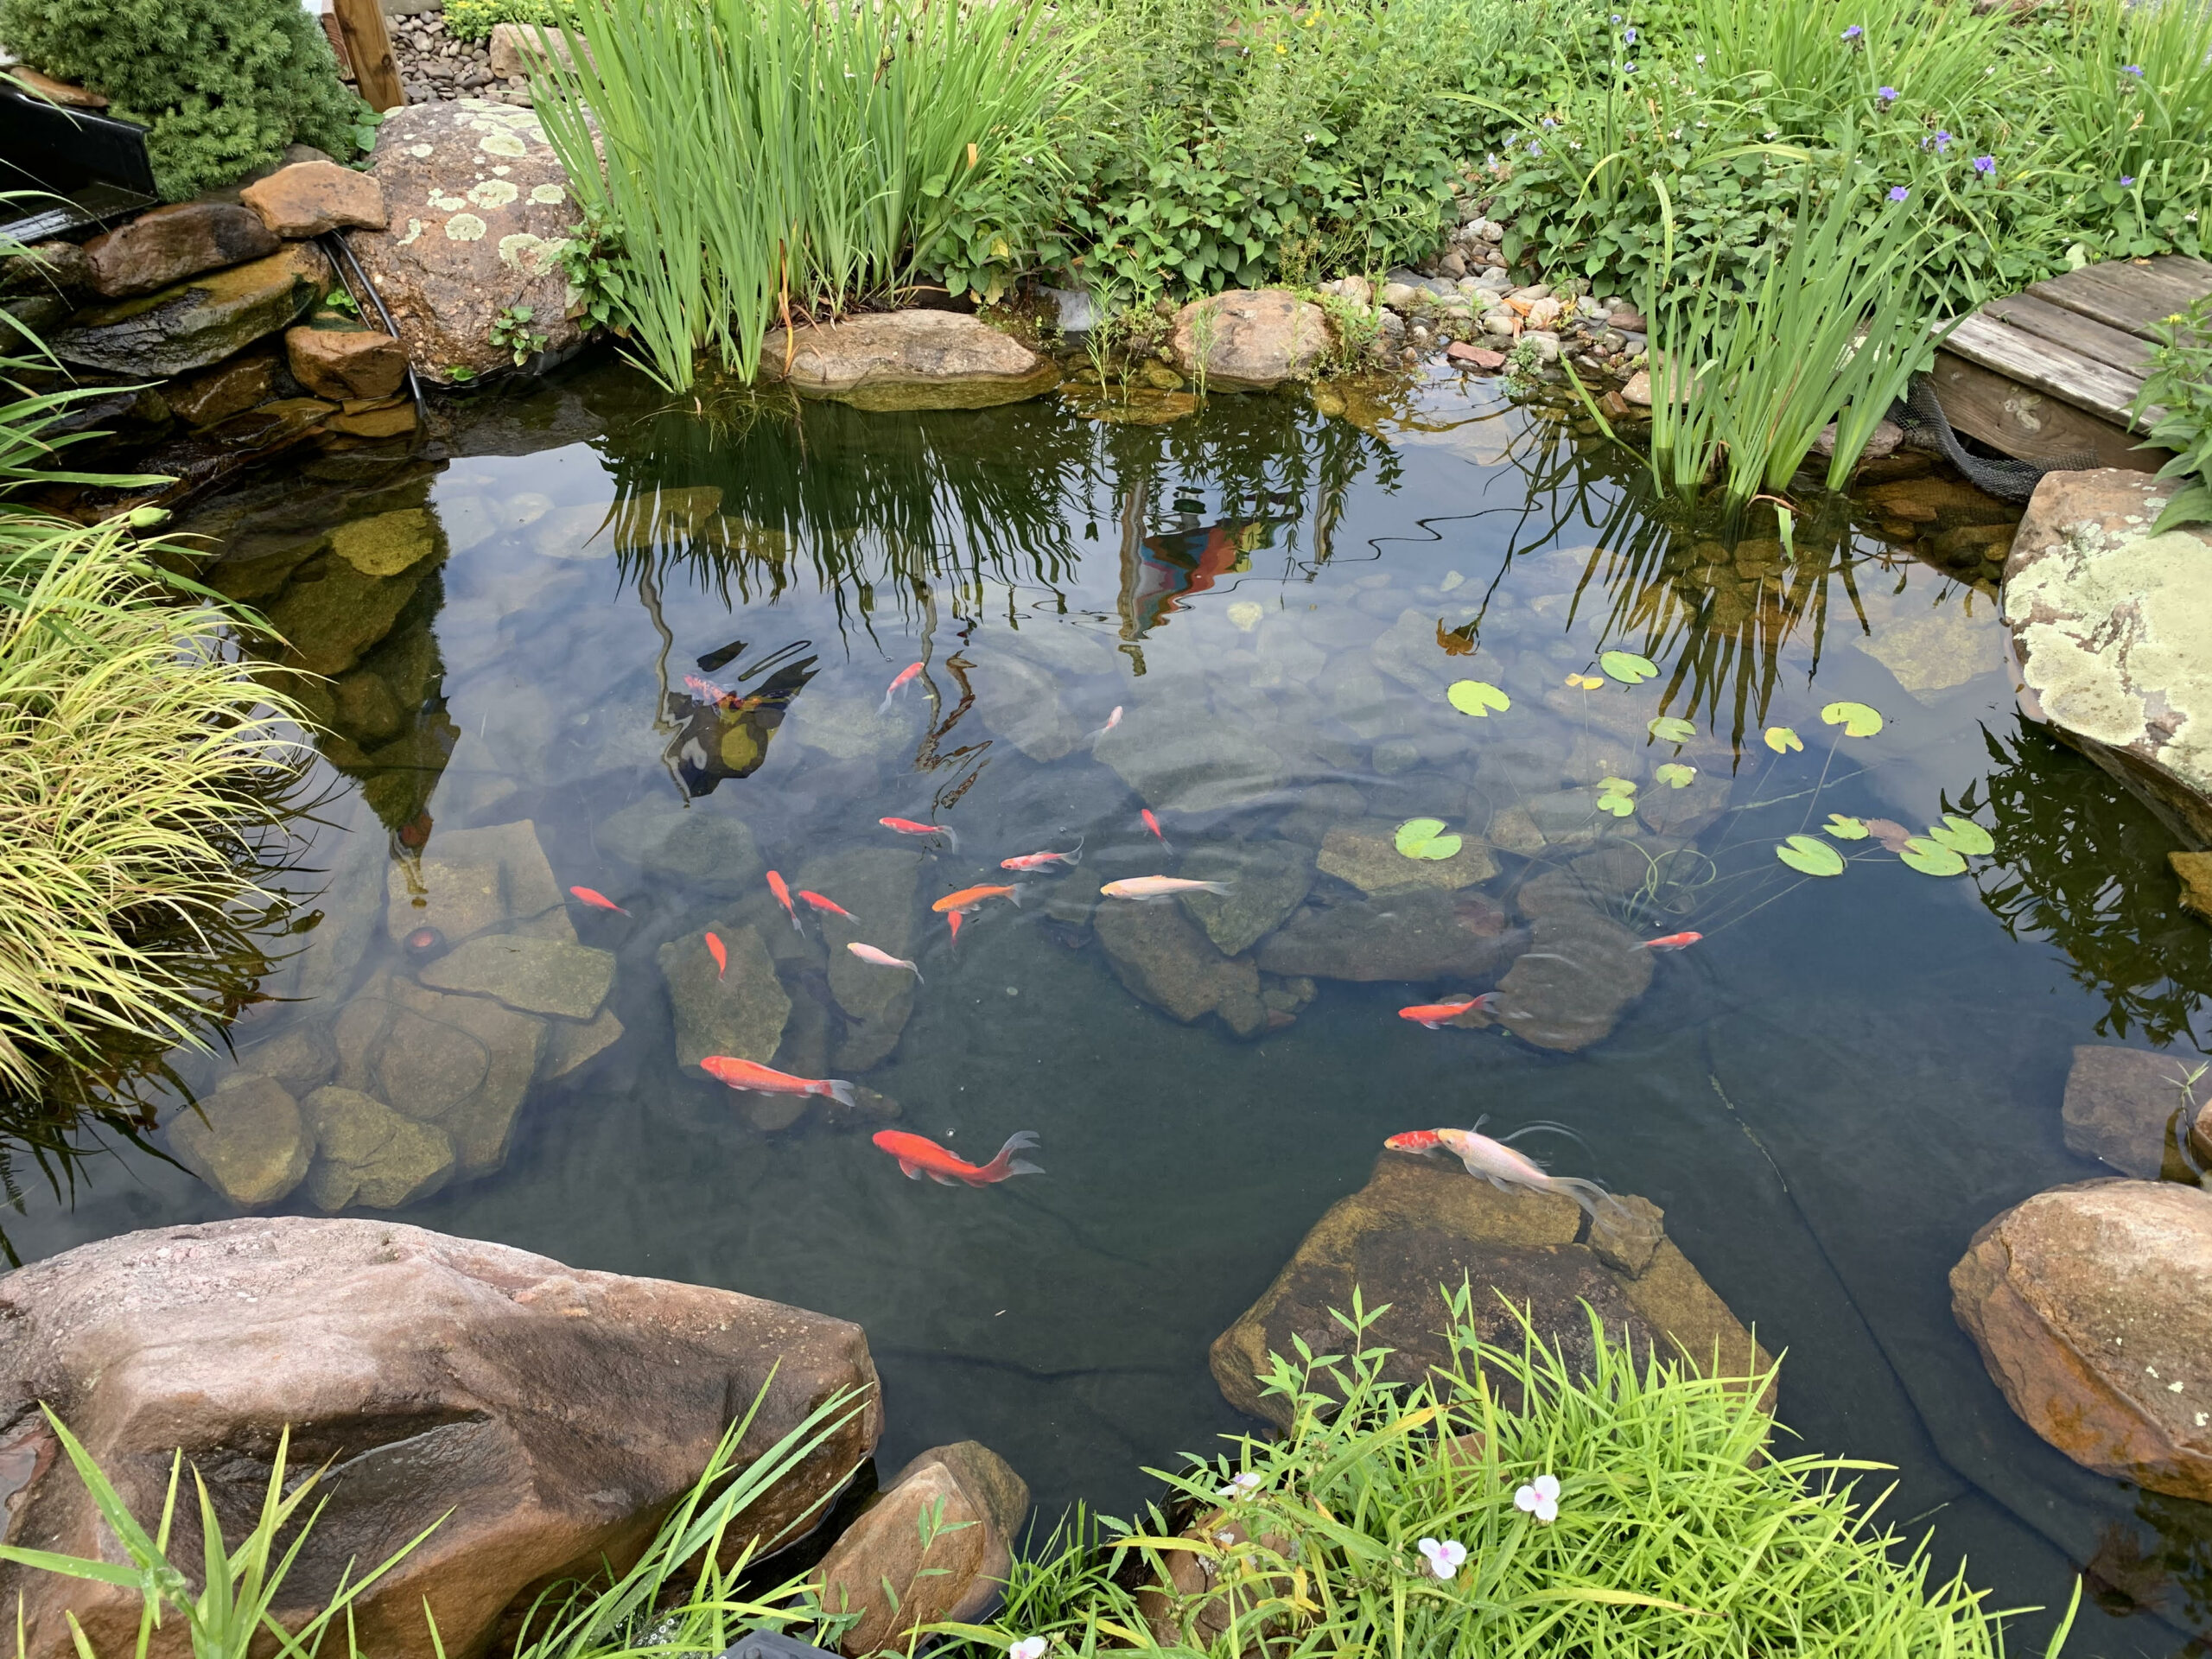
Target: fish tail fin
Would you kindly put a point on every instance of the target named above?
(1588, 1194)
(1023, 1166)
(1215, 886)
(839, 1090)
(916, 972)
(951, 838)
(796, 927)
(1006, 1163)
(1075, 857)
(883, 708)
(1013, 895)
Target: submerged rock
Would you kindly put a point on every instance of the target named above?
(469, 880)
(1421, 933)
(534, 975)
(2091, 1306)
(1366, 855)
(738, 1013)
(937, 1544)
(1189, 764)
(1266, 880)
(1020, 701)
(1250, 339)
(2130, 1108)
(1567, 991)
(461, 1063)
(2113, 628)
(1422, 1222)
(696, 844)
(368, 1155)
(878, 885)
(569, 1045)
(908, 359)
(1167, 960)
(551, 1415)
(246, 1139)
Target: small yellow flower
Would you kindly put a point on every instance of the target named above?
(1585, 682)
(1280, 49)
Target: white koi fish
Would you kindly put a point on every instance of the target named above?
(1158, 886)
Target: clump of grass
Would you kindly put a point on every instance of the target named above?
(1677, 1533)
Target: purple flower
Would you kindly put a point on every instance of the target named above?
(1852, 33)
(2126, 180)
(2134, 69)
(1535, 149)
(1629, 67)
(1985, 164)
(1887, 94)
(1941, 140)
(1898, 193)
(1629, 35)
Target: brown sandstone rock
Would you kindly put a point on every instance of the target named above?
(1249, 339)
(170, 243)
(941, 1533)
(557, 1413)
(2195, 872)
(198, 322)
(227, 389)
(309, 197)
(2092, 1306)
(346, 363)
(1421, 1223)
(907, 359)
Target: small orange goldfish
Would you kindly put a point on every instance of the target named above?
(1673, 942)
(745, 1074)
(1434, 1015)
(968, 898)
(597, 901)
(908, 827)
(1153, 824)
(1043, 861)
(822, 904)
(720, 956)
(906, 677)
(918, 1156)
(783, 897)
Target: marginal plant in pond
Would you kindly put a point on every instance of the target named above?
(2179, 384)
(1634, 1508)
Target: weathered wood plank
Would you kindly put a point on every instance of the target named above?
(2113, 347)
(2028, 424)
(2126, 295)
(368, 43)
(2044, 366)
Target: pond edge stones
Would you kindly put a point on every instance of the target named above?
(886, 360)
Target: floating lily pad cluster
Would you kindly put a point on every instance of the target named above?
(1944, 850)
(1616, 796)
(1425, 838)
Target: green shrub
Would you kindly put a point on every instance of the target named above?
(474, 20)
(224, 84)
(1677, 1532)
(2180, 383)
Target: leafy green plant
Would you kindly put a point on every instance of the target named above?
(224, 84)
(474, 20)
(230, 1615)
(2179, 384)
(511, 332)
(1637, 1509)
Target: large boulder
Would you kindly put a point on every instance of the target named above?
(1249, 339)
(558, 1414)
(479, 213)
(1422, 1226)
(2112, 627)
(2092, 1306)
(170, 243)
(907, 359)
(199, 322)
(937, 1544)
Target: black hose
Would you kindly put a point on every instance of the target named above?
(341, 258)
(1921, 417)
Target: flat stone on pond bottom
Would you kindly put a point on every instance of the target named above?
(369, 1155)
(246, 1139)
(1366, 855)
(534, 975)
(738, 1012)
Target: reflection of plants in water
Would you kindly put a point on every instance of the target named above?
(2082, 864)
(2169, 1573)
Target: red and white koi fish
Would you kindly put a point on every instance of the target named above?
(708, 691)
(597, 901)
(917, 1157)
(720, 956)
(908, 675)
(1153, 824)
(783, 897)
(1673, 942)
(744, 1074)
(1112, 721)
(908, 827)
(1509, 1170)
(1434, 1015)
(1413, 1140)
(884, 959)
(829, 906)
(1043, 860)
(1158, 886)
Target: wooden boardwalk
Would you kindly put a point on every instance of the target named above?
(2051, 372)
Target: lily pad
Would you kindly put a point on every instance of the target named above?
(1844, 828)
(1627, 667)
(1856, 719)
(1477, 697)
(1616, 786)
(1425, 838)
(1442, 848)
(1616, 796)
(1963, 836)
(1672, 729)
(1674, 774)
(1782, 740)
(1813, 857)
(1931, 858)
(1585, 681)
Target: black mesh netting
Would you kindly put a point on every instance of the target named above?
(1925, 428)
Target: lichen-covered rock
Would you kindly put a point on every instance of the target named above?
(907, 359)
(170, 243)
(199, 321)
(551, 1415)
(1422, 1222)
(1249, 339)
(480, 213)
(309, 197)
(2092, 1306)
(246, 1139)
(2112, 627)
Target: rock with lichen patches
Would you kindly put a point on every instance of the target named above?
(480, 213)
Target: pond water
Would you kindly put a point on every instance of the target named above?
(644, 649)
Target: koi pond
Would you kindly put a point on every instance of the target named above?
(1417, 677)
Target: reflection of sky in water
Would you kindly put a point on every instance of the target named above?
(1827, 1096)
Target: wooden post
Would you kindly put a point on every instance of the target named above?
(368, 43)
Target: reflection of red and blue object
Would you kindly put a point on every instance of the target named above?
(1171, 566)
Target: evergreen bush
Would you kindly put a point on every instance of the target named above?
(224, 84)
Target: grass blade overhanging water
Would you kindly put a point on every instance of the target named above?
(763, 157)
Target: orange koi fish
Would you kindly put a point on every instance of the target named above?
(744, 1074)
(720, 956)
(708, 691)
(822, 904)
(1413, 1140)
(1153, 824)
(597, 901)
(884, 959)
(1673, 942)
(1158, 886)
(968, 898)
(918, 1156)
(956, 918)
(906, 677)
(783, 897)
(1043, 861)
(908, 827)
(1434, 1015)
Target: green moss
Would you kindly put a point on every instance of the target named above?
(224, 84)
